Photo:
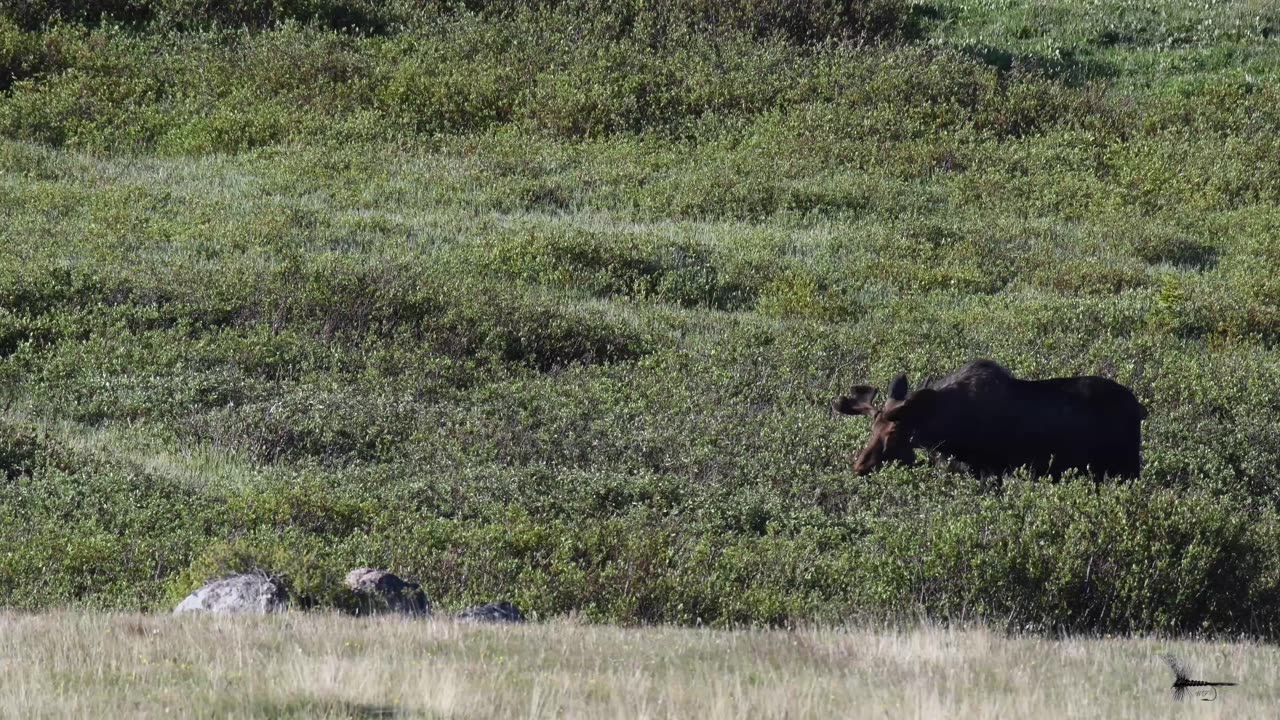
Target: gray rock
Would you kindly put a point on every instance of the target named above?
(497, 612)
(253, 593)
(378, 591)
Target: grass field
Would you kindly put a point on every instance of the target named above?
(65, 664)
(547, 301)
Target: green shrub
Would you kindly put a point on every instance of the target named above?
(618, 264)
(358, 15)
(306, 424)
(549, 301)
(805, 21)
(19, 447)
(98, 531)
(1070, 557)
(21, 54)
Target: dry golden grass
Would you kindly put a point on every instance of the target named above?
(95, 665)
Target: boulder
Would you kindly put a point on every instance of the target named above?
(497, 612)
(253, 593)
(378, 591)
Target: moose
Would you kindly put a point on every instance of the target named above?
(984, 418)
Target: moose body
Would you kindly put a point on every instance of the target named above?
(984, 417)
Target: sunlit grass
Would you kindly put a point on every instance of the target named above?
(67, 664)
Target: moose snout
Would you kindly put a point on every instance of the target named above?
(863, 466)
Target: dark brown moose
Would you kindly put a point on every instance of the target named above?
(993, 423)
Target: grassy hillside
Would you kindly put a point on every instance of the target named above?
(89, 665)
(548, 301)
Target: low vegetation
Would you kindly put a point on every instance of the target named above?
(547, 301)
(64, 664)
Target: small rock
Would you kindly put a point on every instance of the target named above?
(381, 592)
(499, 612)
(253, 593)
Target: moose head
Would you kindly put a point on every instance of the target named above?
(892, 426)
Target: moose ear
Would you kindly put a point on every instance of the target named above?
(899, 388)
(857, 402)
(918, 406)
